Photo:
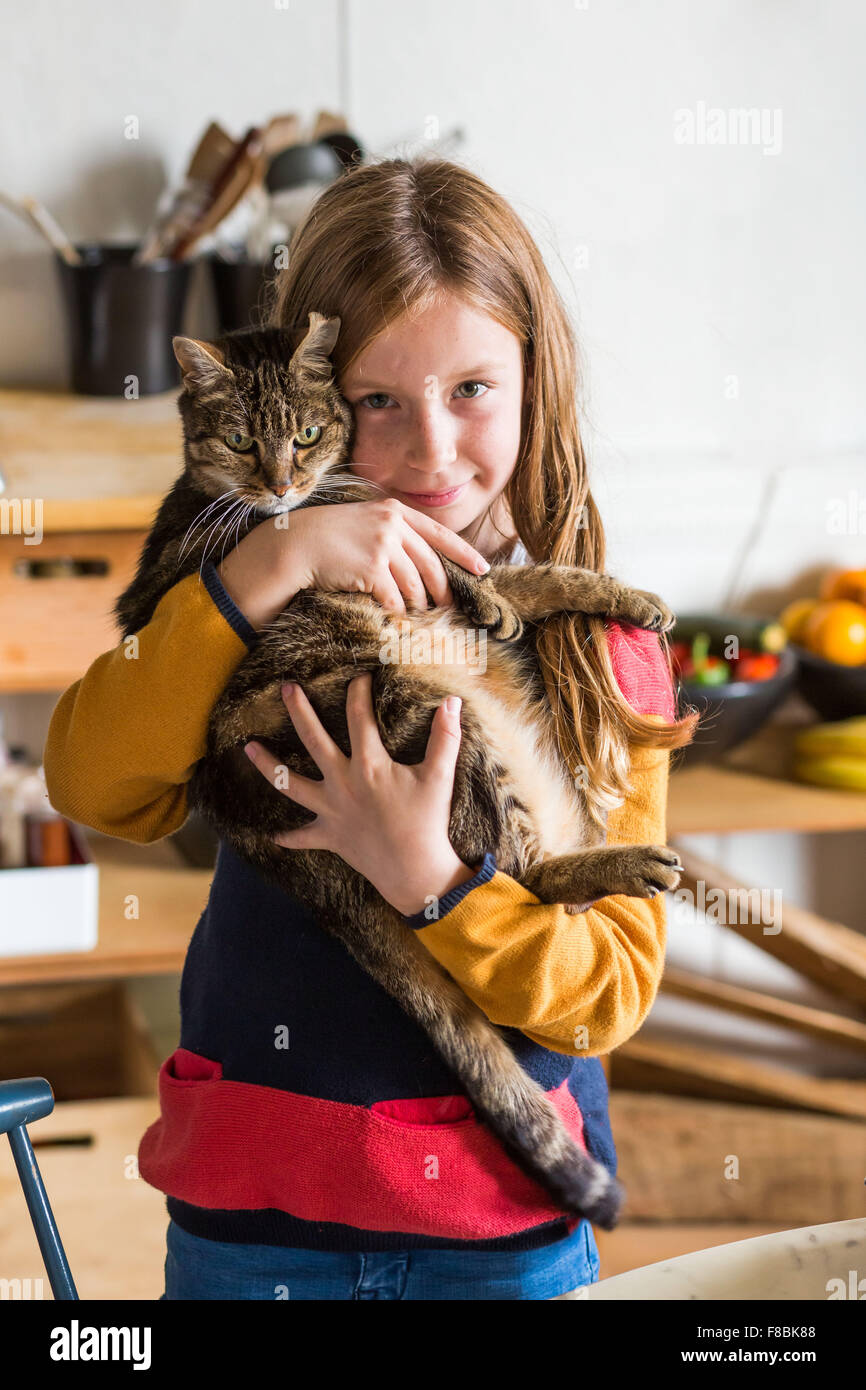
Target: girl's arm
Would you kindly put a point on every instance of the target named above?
(582, 984)
(123, 740)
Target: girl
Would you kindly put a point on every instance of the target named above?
(310, 1143)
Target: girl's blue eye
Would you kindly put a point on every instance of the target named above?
(473, 397)
(480, 389)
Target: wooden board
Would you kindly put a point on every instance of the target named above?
(709, 1073)
(782, 1167)
(751, 1003)
(97, 463)
(830, 954)
(715, 798)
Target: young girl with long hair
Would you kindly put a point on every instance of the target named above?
(311, 1144)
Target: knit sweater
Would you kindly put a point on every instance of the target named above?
(302, 1106)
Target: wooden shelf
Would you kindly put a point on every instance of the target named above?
(97, 464)
(171, 898)
(750, 789)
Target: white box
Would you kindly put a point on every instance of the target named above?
(51, 911)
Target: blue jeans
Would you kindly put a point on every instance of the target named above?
(200, 1269)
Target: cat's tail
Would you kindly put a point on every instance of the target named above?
(505, 1097)
(522, 1116)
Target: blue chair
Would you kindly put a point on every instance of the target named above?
(21, 1102)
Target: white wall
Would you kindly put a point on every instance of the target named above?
(73, 75)
(686, 266)
(702, 263)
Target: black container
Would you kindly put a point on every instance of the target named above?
(834, 691)
(240, 290)
(732, 713)
(121, 320)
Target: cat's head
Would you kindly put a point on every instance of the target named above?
(263, 421)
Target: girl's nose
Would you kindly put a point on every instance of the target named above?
(433, 442)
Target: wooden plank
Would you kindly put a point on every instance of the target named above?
(829, 953)
(752, 1003)
(703, 1160)
(685, 1069)
(95, 463)
(714, 798)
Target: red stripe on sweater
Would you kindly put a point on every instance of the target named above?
(396, 1167)
(641, 669)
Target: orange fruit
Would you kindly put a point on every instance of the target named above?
(836, 630)
(793, 618)
(844, 584)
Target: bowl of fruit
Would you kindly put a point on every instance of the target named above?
(828, 634)
(735, 670)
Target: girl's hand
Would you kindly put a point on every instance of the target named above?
(384, 548)
(387, 820)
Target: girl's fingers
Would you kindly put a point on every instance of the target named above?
(291, 784)
(441, 537)
(312, 733)
(305, 837)
(364, 739)
(443, 745)
(430, 568)
(387, 592)
(408, 580)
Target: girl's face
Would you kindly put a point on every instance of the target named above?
(437, 400)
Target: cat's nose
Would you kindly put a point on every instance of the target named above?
(281, 490)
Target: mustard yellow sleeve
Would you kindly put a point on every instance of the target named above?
(124, 739)
(582, 984)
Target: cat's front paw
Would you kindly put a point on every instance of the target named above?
(647, 870)
(506, 624)
(489, 610)
(644, 609)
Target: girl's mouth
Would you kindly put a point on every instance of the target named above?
(434, 499)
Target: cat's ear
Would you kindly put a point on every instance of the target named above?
(202, 364)
(312, 357)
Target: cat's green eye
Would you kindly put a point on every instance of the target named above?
(311, 435)
(241, 443)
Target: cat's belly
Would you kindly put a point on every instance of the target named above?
(518, 728)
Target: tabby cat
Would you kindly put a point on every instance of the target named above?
(265, 431)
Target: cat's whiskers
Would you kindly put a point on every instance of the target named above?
(335, 482)
(201, 519)
(215, 530)
(242, 516)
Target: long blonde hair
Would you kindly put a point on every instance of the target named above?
(389, 236)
